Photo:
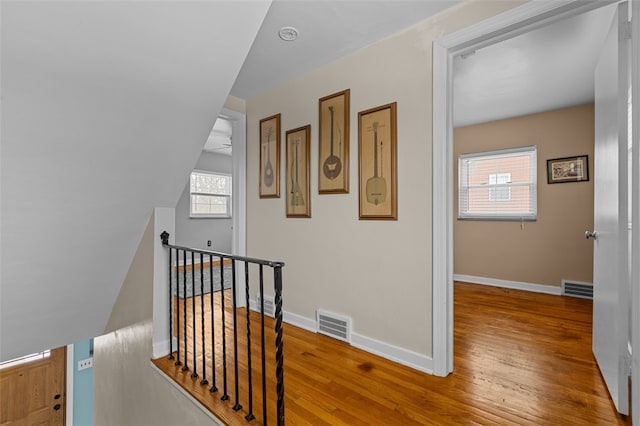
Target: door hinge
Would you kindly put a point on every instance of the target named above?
(625, 30)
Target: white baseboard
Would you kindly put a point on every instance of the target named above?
(394, 353)
(516, 285)
(385, 350)
(299, 321)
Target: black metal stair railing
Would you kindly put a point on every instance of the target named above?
(183, 282)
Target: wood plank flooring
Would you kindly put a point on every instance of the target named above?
(520, 359)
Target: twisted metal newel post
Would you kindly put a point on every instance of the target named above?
(277, 277)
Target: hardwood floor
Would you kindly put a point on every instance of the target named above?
(520, 358)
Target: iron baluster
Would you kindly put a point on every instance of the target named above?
(193, 314)
(225, 396)
(237, 405)
(204, 380)
(213, 388)
(262, 349)
(277, 277)
(250, 416)
(178, 362)
(184, 305)
(170, 298)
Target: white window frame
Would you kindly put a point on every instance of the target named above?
(228, 197)
(463, 189)
(499, 193)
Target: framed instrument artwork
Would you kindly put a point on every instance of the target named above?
(333, 146)
(270, 157)
(377, 161)
(298, 161)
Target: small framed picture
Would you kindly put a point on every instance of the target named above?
(298, 161)
(270, 157)
(377, 163)
(333, 146)
(568, 169)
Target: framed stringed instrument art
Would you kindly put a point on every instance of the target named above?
(270, 157)
(377, 162)
(333, 146)
(298, 162)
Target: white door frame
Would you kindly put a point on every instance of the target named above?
(516, 21)
(239, 179)
(239, 187)
(635, 213)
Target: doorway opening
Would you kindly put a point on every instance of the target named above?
(508, 25)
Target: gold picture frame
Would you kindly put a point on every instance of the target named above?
(270, 157)
(377, 145)
(298, 144)
(333, 143)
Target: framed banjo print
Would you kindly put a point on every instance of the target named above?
(270, 157)
(298, 188)
(333, 145)
(377, 163)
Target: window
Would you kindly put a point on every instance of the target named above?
(499, 193)
(210, 195)
(498, 185)
(25, 359)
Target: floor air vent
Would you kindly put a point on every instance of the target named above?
(269, 306)
(333, 325)
(577, 289)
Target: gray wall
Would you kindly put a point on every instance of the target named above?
(128, 390)
(196, 232)
(91, 144)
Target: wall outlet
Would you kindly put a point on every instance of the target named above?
(208, 243)
(85, 363)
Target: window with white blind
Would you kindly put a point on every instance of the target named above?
(210, 195)
(498, 185)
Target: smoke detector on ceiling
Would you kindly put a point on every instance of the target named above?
(288, 33)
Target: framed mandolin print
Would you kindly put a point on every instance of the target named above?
(333, 154)
(298, 161)
(377, 163)
(270, 157)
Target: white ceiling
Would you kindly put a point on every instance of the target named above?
(105, 106)
(220, 138)
(328, 30)
(549, 68)
(545, 69)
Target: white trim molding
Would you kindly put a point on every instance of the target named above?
(386, 350)
(515, 285)
(239, 189)
(529, 16)
(394, 353)
(635, 213)
(305, 323)
(69, 386)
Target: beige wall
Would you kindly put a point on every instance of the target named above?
(127, 390)
(377, 272)
(553, 247)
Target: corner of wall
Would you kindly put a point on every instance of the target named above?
(164, 219)
(133, 302)
(236, 104)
